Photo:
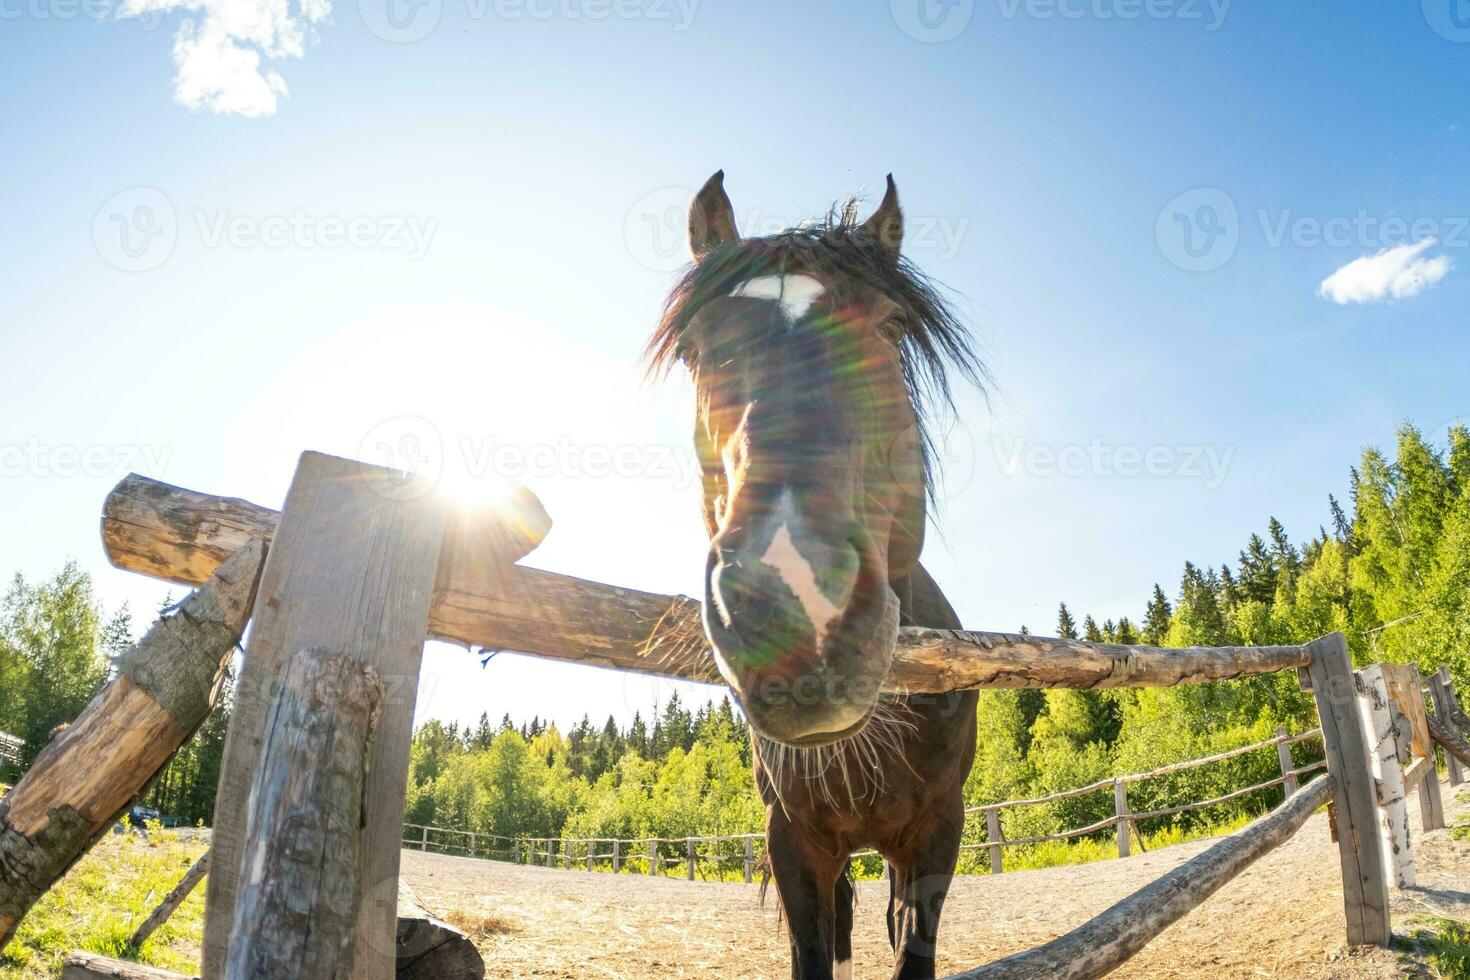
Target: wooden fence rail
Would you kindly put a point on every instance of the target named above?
(182, 535)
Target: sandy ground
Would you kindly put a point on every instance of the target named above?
(1282, 918)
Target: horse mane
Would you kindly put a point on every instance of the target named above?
(934, 343)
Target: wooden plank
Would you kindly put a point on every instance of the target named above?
(559, 616)
(1439, 689)
(352, 569)
(1360, 851)
(1102, 944)
(994, 837)
(90, 966)
(1120, 810)
(296, 909)
(1283, 759)
(171, 901)
(165, 687)
(1387, 755)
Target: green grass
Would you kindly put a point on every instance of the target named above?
(1444, 945)
(103, 899)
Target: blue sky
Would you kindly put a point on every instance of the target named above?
(1192, 241)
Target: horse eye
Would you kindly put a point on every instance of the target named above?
(894, 328)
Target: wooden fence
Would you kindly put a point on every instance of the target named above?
(342, 587)
(656, 855)
(10, 749)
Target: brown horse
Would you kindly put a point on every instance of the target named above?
(814, 353)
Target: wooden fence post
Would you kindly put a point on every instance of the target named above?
(653, 867)
(1120, 810)
(424, 839)
(296, 913)
(1440, 691)
(1283, 756)
(994, 836)
(591, 853)
(691, 858)
(617, 857)
(1359, 849)
(550, 851)
(566, 854)
(351, 568)
(472, 843)
(749, 860)
(1387, 760)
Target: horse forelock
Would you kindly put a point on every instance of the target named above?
(934, 346)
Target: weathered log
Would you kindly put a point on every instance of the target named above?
(176, 534)
(1099, 946)
(1449, 739)
(429, 949)
(171, 901)
(1355, 804)
(85, 778)
(297, 908)
(351, 570)
(90, 966)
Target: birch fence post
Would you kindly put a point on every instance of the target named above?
(1387, 760)
(653, 868)
(749, 859)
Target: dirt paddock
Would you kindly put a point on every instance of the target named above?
(1282, 918)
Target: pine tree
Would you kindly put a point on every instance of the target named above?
(1125, 633)
(1257, 571)
(1156, 618)
(1090, 632)
(1066, 625)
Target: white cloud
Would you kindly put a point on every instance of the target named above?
(1400, 273)
(219, 56)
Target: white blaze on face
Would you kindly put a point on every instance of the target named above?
(788, 562)
(795, 294)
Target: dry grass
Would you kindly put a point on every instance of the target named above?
(481, 925)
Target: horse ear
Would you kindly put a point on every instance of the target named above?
(711, 217)
(886, 225)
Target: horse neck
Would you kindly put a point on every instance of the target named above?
(922, 603)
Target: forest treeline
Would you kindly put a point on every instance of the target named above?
(1389, 567)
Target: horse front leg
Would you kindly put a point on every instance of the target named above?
(806, 879)
(918, 884)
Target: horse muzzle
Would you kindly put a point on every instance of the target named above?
(803, 631)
